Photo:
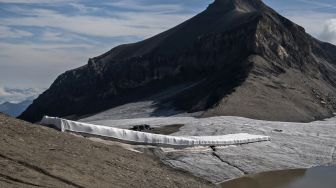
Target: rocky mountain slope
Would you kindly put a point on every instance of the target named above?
(36, 156)
(238, 57)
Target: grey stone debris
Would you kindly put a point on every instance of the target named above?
(292, 145)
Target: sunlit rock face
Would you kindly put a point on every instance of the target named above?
(238, 57)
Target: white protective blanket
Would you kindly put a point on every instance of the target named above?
(149, 138)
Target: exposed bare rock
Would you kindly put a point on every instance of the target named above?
(239, 57)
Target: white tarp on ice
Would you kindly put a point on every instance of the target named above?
(149, 138)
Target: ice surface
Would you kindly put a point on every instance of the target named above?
(293, 145)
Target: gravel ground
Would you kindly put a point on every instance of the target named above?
(36, 156)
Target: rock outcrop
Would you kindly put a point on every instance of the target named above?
(239, 57)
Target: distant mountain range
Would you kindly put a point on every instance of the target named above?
(236, 58)
(14, 109)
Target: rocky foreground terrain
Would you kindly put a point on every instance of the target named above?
(36, 156)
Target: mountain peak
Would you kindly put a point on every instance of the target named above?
(240, 5)
(236, 58)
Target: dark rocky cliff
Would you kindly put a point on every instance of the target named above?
(239, 56)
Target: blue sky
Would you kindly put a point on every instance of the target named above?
(40, 39)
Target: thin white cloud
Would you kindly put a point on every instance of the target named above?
(83, 8)
(7, 32)
(314, 22)
(3, 93)
(135, 5)
(54, 36)
(38, 65)
(120, 24)
(35, 1)
(44, 54)
(329, 31)
(318, 3)
(16, 95)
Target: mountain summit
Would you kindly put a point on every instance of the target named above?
(238, 57)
